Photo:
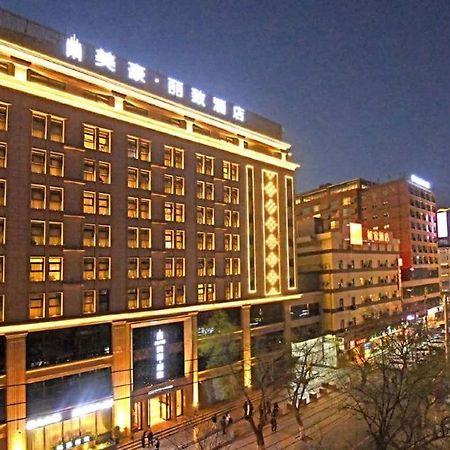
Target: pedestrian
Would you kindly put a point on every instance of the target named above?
(228, 418)
(245, 408)
(144, 439)
(268, 407)
(150, 438)
(273, 422)
(276, 409)
(214, 419)
(156, 443)
(223, 424)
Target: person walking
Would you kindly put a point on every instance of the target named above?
(228, 418)
(276, 409)
(223, 424)
(156, 443)
(150, 438)
(144, 439)
(273, 422)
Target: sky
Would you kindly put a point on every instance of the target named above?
(361, 88)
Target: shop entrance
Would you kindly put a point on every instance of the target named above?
(158, 410)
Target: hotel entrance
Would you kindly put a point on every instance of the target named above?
(158, 410)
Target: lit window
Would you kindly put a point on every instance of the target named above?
(200, 189)
(210, 267)
(2, 308)
(2, 269)
(88, 268)
(104, 172)
(200, 241)
(145, 208)
(201, 267)
(168, 184)
(46, 126)
(55, 233)
(210, 241)
(132, 147)
(169, 239)
(37, 268)
(55, 268)
(3, 117)
(235, 196)
(88, 235)
(95, 138)
(145, 297)
(36, 306)
(56, 164)
(204, 164)
(144, 180)
(104, 235)
(39, 125)
(103, 272)
(37, 232)
(200, 215)
(132, 177)
(56, 199)
(3, 154)
(179, 186)
(145, 267)
(169, 211)
(209, 191)
(54, 304)
(174, 157)
(133, 268)
(209, 216)
(179, 212)
(132, 207)
(132, 237)
(37, 197)
(169, 267)
(169, 295)
(88, 302)
(104, 201)
(132, 296)
(179, 239)
(180, 295)
(201, 297)
(2, 231)
(38, 161)
(139, 149)
(89, 202)
(145, 238)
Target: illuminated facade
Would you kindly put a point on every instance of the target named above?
(406, 208)
(131, 207)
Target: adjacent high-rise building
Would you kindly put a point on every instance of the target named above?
(406, 208)
(132, 206)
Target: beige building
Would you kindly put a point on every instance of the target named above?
(131, 207)
(359, 278)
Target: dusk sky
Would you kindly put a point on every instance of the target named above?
(361, 88)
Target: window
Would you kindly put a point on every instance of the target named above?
(169, 295)
(179, 239)
(169, 271)
(2, 269)
(55, 233)
(3, 117)
(145, 237)
(168, 184)
(209, 191)
(56, 164)
(180, 295)
(232, 290)
(200, 189)
(37, 232)
(145, 267)
(230, 171)
(145, 297)
(133, 270)
(173, 185)
(145, 208)
(210, 267)
(179, 212)
(200, 241)
(132, 177)
(231, 195)
(2, 308)
(38, 161)
(132, 296)
(104, 235)
(204, 164)
(209, 213)
(37, 268)
(206, 292)
(174, 239)
(104, 172)
(2, 192)
(231, 218)
(37, 197)
(56, 199)
(88, 302)
(232, 242)
(36, 306)
(174, 157)
(103, 272)
(88, 268)
(144, 179)
(54, 304)
(179, 267)
(173, 212)
(210, 241)
(55, 265)
(88, 235)
(232, 266)
(3, 153)
(104, 202)
(132, 238)
(200, 215)
(139, 148)
(46, 126)
(95, 138)
(2, 231)
(132, 207)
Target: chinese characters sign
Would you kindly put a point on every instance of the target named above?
(137, 73)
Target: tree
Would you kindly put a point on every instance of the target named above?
(396, 393)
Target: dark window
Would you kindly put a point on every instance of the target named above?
(269, 342)
(145, 370)
(266, 314)
(67, 392)
(103, 300)
(46, 348)
(301, 311)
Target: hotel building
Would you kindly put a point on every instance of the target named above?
(131, 207)
(406, 208)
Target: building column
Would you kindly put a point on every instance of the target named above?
(16, 396)
(246, 345)
(191, 364)
(287, 332)
(121, 375)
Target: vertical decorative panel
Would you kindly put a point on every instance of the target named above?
(251, 256)
(290, 233)
(271, 232)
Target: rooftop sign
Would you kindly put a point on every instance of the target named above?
(420, 182)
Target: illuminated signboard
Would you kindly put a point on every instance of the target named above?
(160, 344)
(43, 421)
(378, 236)
(420, 182)
(356, 234)
(75, 442)
(137, 73)
(442, 225)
